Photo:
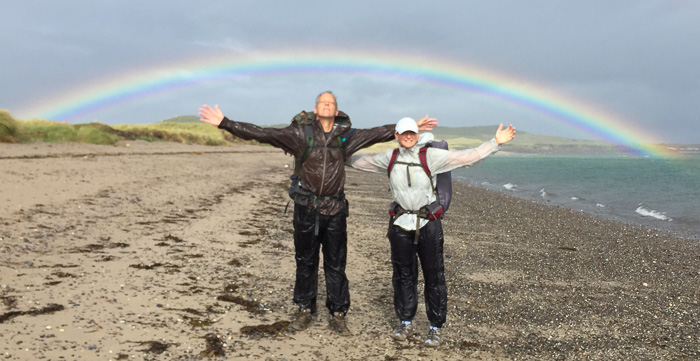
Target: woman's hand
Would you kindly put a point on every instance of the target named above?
(504, 135)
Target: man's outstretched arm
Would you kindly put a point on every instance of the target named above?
(287, 139)
(363, 138)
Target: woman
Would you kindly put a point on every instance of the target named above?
(415, 232)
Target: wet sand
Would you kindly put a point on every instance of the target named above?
(163, 251)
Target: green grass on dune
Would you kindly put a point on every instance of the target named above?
(8, 127)
(19, 131)
(16, 131)
(186, 133)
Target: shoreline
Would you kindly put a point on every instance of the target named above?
(178, 252)
(648, 222)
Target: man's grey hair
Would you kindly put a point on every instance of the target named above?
(328, 92)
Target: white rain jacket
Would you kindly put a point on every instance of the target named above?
(420, 193)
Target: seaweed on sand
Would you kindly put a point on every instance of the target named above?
(51, 308)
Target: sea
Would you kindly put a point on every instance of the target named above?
(657, 193)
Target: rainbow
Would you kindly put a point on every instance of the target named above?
(125, 88)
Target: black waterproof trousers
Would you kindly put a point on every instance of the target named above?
(333, 240)
(429, 251)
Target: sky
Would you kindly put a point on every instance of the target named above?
(611, 70)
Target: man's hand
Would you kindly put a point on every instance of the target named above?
(426, 123)
(504, 135)
(211, 116)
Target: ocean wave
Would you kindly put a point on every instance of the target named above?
(600, 205)
(510, 186)
(652, 213)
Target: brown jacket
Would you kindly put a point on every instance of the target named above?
(323, 171)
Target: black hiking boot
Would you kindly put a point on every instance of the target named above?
(337, 324)
(301, 320)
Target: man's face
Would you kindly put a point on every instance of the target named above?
(326, 106)
(407, 139)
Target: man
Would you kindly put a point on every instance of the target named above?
(320, 211)
(415, 230)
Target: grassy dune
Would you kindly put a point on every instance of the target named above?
(19, 131)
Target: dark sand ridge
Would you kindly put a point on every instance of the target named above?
(164, 251)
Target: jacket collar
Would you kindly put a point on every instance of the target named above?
(341, 121)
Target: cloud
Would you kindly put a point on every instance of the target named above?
(228, 44)
(636, 60)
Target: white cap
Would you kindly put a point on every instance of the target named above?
(406, 125)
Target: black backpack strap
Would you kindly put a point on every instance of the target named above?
(309, 136)
(340, 145)
(397, 211)
(342, 139)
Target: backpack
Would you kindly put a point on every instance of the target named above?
(442, 188)
(306, 120)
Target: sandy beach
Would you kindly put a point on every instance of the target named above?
(164, 251)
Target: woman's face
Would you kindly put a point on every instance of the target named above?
(408, 139)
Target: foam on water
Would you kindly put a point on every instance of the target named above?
(652, 213)
(654, 193)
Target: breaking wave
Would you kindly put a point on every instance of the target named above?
(510, 186)
(652, 213)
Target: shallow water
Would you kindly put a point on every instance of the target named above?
(656, 193)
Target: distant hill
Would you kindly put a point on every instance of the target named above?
(469, 137)
(183, 119)
(524, 142)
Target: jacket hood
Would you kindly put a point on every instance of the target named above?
(341, 120)
(424, 138)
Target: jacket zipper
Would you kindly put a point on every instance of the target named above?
(325, 154)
